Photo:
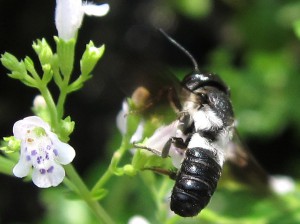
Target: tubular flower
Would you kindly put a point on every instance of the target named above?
(42, 150)
(69, 15)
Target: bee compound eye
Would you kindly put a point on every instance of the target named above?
(204, 97)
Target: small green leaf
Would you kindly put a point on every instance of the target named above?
(78, 83)
(139, 159)
(10, 144)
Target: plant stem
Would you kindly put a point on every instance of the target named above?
(6, 165)
(84, 192)
(61, 101)
(51, 105)
(113, 164)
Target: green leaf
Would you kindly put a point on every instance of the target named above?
(78, 83)
(10, 144)
(139, 159)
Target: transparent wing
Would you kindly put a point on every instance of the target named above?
(244, 167)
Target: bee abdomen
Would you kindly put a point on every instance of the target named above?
(195, 182)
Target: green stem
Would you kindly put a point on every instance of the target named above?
(51, 105)
(63, 95)
(6, 165)
(113, 164)
(84, 192)
(158, 194)
(61, 101)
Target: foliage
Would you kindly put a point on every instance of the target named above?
(257, 56)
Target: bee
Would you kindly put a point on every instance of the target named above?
(199, 140)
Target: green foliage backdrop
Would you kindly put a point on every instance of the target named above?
(253, 45)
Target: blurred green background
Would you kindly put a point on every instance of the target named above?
(252, 45)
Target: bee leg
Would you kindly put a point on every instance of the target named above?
(185, 123)
(154, 151)
(170, 173)
(177, 142)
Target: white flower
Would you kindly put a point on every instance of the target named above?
(137, 219)
(69, 15)
(42, 150)
(122, 118)
(161, 136)
(282, 184)
(122, 123)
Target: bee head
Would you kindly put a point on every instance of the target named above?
(196, 80)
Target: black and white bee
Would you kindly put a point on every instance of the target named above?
(199, 140)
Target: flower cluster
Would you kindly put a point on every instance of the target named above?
(42, 150)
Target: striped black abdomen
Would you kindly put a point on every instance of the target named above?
(196, 182)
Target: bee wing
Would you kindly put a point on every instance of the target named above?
(140, 66)
(244, 166)
(153, 89)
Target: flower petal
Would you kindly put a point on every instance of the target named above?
(21, 126)
(137, 136)
(95, 10)
(64, 152)
(53, 176)
(122, 118)
(68, 17)
(161, 136)
(282, 184)
(137, 219)
(22, 168)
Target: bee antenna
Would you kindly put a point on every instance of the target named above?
(185, 51)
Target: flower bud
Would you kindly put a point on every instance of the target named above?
(90, 57)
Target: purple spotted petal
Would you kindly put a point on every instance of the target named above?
(22, 168)
(65, 153)
(47, 177)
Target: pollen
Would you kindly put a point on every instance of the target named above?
(30, 140)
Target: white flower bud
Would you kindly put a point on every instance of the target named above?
(69, 15)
